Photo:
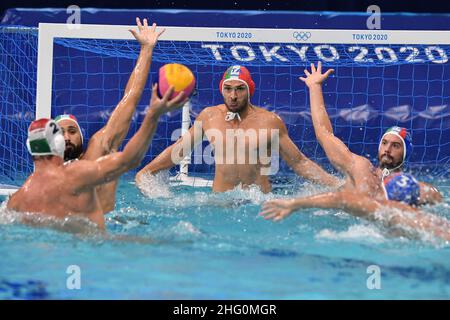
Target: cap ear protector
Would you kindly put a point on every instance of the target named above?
(45, 138)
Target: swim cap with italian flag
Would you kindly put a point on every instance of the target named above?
(45, 138)
(72, 118)
(239, 73)
(404, 135)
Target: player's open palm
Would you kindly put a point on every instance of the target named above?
(316, 77)
(165, 104)
(276, 209)
(147, 36)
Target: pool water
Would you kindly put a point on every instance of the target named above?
(189, 243)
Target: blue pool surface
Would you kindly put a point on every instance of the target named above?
(189, 243)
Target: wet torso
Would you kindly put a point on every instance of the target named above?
(50, 193)
(241, 148)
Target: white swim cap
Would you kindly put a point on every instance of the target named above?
(45, 138)
(72, 118)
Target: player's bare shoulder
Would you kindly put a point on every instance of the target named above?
(209, 112)
(269, 118)
(76, 173)
(361, 165)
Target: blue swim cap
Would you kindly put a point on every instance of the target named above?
(402, 187)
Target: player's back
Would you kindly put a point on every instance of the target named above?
(51, 192)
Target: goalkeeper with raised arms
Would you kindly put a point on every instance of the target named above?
(246, 140)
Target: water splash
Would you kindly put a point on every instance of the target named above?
(358, 233)
(423, 226)
(185, 228)
(74, 224)
(155, 185)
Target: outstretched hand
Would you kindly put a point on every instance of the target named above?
(316, 77)
(146, 36)
(165, 104)
(277, 209)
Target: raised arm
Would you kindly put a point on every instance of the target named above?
(337, 152)
(110, 137)
(401, 219)
(173, 154)
(356, 204)
(301, 164)
(91, 173)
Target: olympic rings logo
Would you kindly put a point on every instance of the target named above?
(301, 36)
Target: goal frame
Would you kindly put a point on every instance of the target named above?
(49, 31)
